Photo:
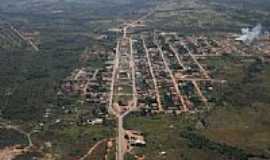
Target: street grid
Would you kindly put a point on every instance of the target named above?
(150, 74)
(156, 72)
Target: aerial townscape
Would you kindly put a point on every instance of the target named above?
(134, 80)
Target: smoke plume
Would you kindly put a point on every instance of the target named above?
(248, 36)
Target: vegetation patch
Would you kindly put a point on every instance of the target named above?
(10, 137)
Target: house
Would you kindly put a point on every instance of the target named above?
(95, 121)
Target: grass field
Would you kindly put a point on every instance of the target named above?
(163, 134)
(246, 128)
(71, 142)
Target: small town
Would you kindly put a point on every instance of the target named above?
(134, 80)
(155, 73)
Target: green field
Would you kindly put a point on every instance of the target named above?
(69, 142)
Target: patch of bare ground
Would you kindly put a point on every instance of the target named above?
(9, 153)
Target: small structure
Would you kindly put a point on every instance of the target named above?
(135, 138)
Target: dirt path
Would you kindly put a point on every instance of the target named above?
(177, 57)
(92, 149)
(24, 39)
(199, 92)
(175, 84)
(115, 69)
(27, 135)
(203, 71)
(153, 77)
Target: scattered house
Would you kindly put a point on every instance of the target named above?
(95, 121)
(135, 138)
